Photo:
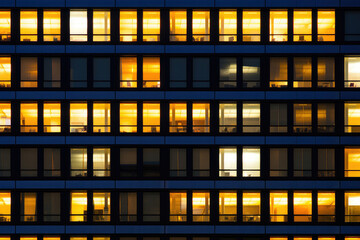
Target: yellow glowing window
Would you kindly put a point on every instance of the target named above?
(278, 238)
(326, 72)
(52, 26)
(178, 206)
(349, 238)
(52, 117)
(128, 26)
(78, 162)
(5, 72)
(128, 117)
(128, 72)
(101, 118)
(177, 117)
(178, 25)
(251, 206)
(5, 26)
(51, 238)
(151, 117)
(278, 26)
(352, 206)
(28, 238)
(78, 117)
(78, 238)
(201, 25)
(278, 206)
(5, 117)
(251, 117)
(201, 206)
(29, 72)
(352, 117)
(78, 26)
(227, 206)
(302, 25)
(28, 207)
(326, 206)
(201, 117)
(278, 72)
(151, 72)
(101, 162)
(227, 26)
(101, 204)
(303, 238)
(28, 26)
(251, 23)
(151, 26)
(78, 207)
(352, 162)
(227, 117)
(101, 26)
(302, 118)
(5, 206)
(328, 238)
(302, 72)
(326, 25)
(28, 117)
(302, 206)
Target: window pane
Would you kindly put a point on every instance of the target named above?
(326, 25)
(278, 117)
(151, 72)
(227, 206)
(78, 207)
(251, 72)
(352, 162)
(177, 118)
(201, 117)
(52, 117)
(5, 162)
(178, 203)
(78, 117)
(5, 206)
(78, 26)
(28, 117)
(28, 162)
(128, 72)
(228, 162)
(251, 206)
(352, 73)
(28, 207)
(151, 117)
(201, 72)
(178, 26)
(278, 26)
(251, 161)
(101, 118)
(128, 26)
(227, 117)
(326, 117)
(78, 158)
(29, 72)
(302, 118)
(52, 72)
(302, 162)
(227, 26)
(177, 162)
(5, 117)
(102, 206)
(251, 117)
(278, 72)
(5, 69)
(201, 162)
(251, 25)
(352, 117)
(302, 25)
(302, 72)
(78, 72)
(101, 26)
(326, 206)
(151, 206)
(278, 162)
(101, 162)
(201, 25)
(352, 207)
(302, 206)
(52, 162)
(151, 26)
(278, 206)
(128, 117)
(128, 162)
(326, 162)
(178, 72)
(128, 206)
(201, 206)
(228, 71)
(151, 162)
(352, 31)
(52, 26)
(101, 72)
(326, 72)
(52, 207)
(28, 26)
(5, 26)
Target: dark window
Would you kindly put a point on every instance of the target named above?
(101, 72)
(278, 117)
(78, 72)
(177, 162)
(28, 162)
(302, 72)
(326, 72)
(52, 162)
(52, 72)
(201, 72)
(29, 72)
(278, 72)
(326, 117)
(52, 206)
(151, 206)
(228, 70)
(128, 206)
(178, 72)
(128, 162)
(278, 162)
(352, 28)
(151, 162)
(326, 162)
(5, 162)
(201, 162)
(251, 72)
(302, 162)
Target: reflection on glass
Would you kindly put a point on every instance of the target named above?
(251, 162)
(326, 206)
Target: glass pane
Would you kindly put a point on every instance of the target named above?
(227, 206)
(201, 72)
(28, 26)
(5, 117)
(128, 26)
(128, 162)
(201, 162)
(201, 206)
(29, 162)
(29, 72)
(278, 26)
(227, 162)
(101, 162)
(251, 117)
(302, 72)
(201, 117)
(326, 72)
(5, 69)
(78, 206)
(251, 206)
(178, 25)
(5, 26)
(78, 26)
(52, 72)
(151, 117)
(251, 24)
(101, 118)
(128, 206)
(227, 117)
(52, 26)
(78, 117)
(101, 72)
(278, 72)
(251, 72)
(78, 158)
(28, 117)
(201, 25)
(178, 162)
(101, 206)
(151, 26)
(302, 206)
(278, 206)
(128, 117)
(302, 25)
(251, 162)
(151, 72)
(28, 207)
(52, 117)
(52, 162)
(52, 207)
(352, 73)
(227, 26)
(78, 72)
(177, 118)
(302, 118)
(326, 25)
(178, 72)
(178, 204)
(278, 162)
(228, 72)
(5, 163)
(128, 72)
(101, 26)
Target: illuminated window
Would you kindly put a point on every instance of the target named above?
(5, 70)
(302, 72)
(52, 160)
(128, 117)
(28, 117)
(178, 206)
(303, 238)
(278, 117)
(178, 25)
(5, 26)
(201, 162)
(128, 206)
(101, 117)
(201, 25)
(278, 162)
(352, 162)
(352, 72)
(28, 162)
(251, 72)
(178, 162)
(28, 207)
(251, 206)
(28, 238)
(128, 26)
(5, 206)
(326, 117)
(101, 162)
(278, 72)
(101, 71)
(352, 206)
(302, 25)
(29, 72)
(201, 206)
(278, 238)
(251, 23)
(251, 162)
(51, 238)
(302, 206)
(78, 26)
(52, 26)
(302, 162)
(101, 26)
(227, 117)
(101, 204)
(78, 238)
(278, 206)
(5, 163)
(78, 159)
(151, 26)
(352, 117)
(227, 162)
(78, 117)
(227, 26)
(128, 72)
(251, 117)
(326, 72)
(151, 72)
(151, 117)
(201, 117)
(326, 206)
(78, 72)
(177, 118)
(326, 162)
(5, 117)
(52, 117)
(228, 71)
(227, 206)
(78, 206)
(28, 26)
(326, 25)
(201, 72)
(278, 26)
(128, 162)
(52, 72)
(302, 118)
(348, 238)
